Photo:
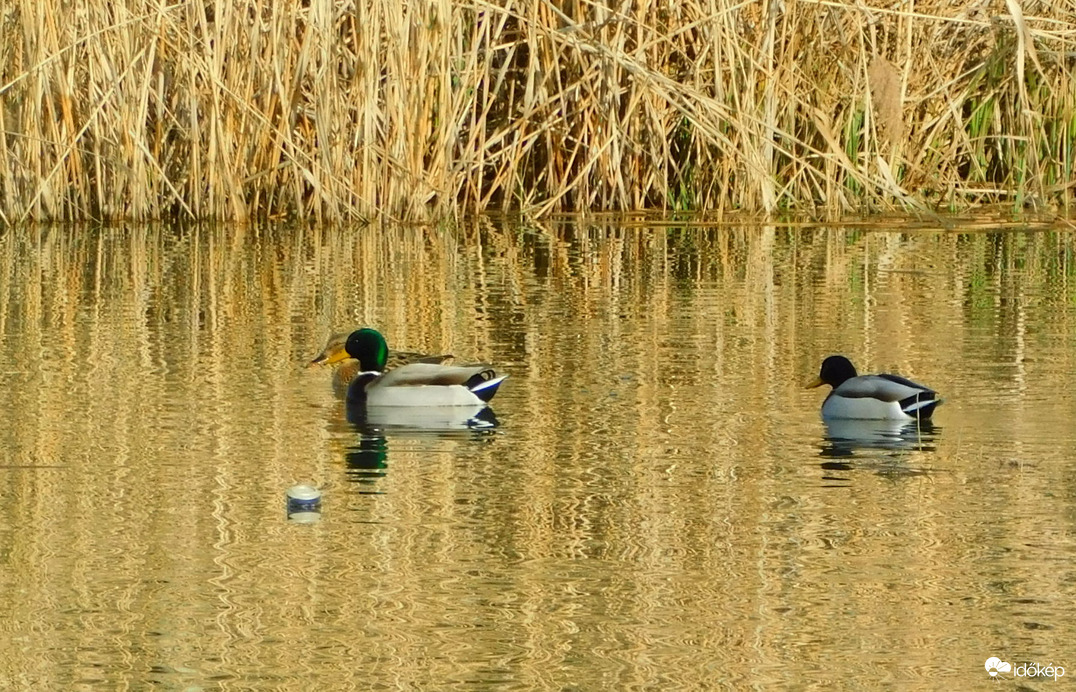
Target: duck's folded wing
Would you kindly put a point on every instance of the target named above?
(400, 358)
(417, 374)
(881, 387)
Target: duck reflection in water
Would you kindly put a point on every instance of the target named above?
(367, 460)
(844, 438)
(884, 447)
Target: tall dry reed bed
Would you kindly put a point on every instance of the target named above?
(348, 109)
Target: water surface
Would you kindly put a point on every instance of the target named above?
(659, 505)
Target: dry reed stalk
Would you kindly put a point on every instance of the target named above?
(343, 111)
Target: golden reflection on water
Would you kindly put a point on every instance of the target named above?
(660, 505)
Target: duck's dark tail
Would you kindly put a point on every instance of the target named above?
(921, 405)
(485, 384)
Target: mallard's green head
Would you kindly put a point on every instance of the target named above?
(835, 370)
(369, 348)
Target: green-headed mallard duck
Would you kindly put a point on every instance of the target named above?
(413, 384)
(335, 354)
(872, 397)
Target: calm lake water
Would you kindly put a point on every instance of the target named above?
(660, 506)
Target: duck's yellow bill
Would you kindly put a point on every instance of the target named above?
(329, 356)
(816, 382)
